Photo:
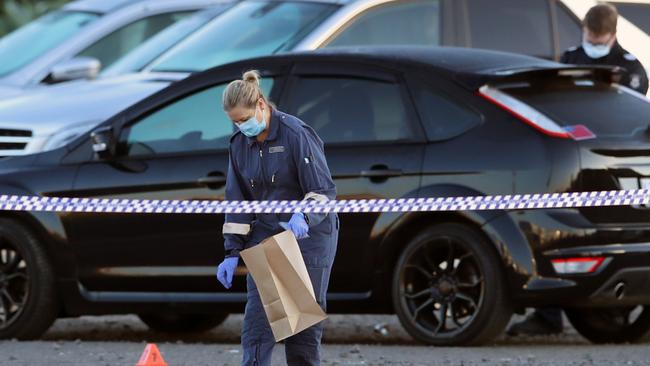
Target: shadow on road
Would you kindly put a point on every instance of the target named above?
(339, 329)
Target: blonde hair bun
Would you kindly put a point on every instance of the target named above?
(252, 76)
(245, 92)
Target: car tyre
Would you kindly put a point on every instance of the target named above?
(451, 272)
(169, 322)
(28, 299)
(611, 325)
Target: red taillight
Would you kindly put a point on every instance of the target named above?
(526, 113)
(577, 265)
(546, 131)
(580, 132)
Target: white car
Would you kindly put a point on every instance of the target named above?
(75, 41)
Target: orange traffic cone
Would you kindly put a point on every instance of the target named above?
(151, 357)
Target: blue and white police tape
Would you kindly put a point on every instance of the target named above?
(498, 202)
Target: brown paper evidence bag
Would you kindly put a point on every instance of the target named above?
(283, 282)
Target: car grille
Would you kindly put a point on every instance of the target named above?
(12, 145)
(9, 132)
(14, 141)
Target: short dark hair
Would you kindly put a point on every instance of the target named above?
(601, 19)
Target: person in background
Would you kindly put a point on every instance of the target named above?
(599, 47)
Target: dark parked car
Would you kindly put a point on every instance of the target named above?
(397, 122)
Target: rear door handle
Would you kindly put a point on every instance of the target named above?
(381, 173)
(212, 180)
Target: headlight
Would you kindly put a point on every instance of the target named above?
(67, 134)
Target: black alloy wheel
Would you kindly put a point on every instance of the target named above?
(448, 287)
(14, 284)
(28, 301)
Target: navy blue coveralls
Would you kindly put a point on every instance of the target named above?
(289, 165)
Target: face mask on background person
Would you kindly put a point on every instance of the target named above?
(599, 49)
(252, 127)
(595, 51)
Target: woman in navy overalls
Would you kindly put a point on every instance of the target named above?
(276, 156)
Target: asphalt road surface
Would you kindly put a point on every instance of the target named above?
(348, 340)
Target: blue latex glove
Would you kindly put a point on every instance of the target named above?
(285, 226)
(298, 225)
(226, 271)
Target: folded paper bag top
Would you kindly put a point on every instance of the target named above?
(283, 283)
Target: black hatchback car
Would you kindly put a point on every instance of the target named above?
(397, 122)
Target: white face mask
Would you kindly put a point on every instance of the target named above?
(595, 51)
(252, 127)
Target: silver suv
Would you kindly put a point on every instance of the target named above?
(47, 119)
(81, 37)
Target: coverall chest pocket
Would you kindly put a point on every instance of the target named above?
(280, 171)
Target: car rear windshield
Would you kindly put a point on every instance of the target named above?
(30, 41)
(248, 29)
(605, 109)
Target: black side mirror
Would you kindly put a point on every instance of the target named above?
(103, 142)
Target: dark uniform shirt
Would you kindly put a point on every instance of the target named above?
(289, 165)
(634, 76)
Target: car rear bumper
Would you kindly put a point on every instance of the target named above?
(622, 279)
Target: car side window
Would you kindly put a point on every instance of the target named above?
(441, 117)
(343, 109)
(569, 28)
(406, 22)
(511, 25)
(118, 43)
(194, 123)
